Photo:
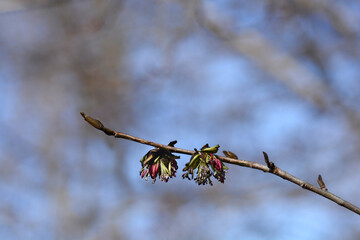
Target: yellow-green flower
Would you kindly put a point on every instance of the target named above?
(206, 164)
(159, 162)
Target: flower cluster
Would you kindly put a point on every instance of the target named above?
(159, 162)
(207, 164)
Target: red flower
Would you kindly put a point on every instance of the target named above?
(153, 170)
(215, 162)
(159, 162)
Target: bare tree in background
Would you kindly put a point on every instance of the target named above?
(147, 65)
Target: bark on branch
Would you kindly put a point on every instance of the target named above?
(269, 167)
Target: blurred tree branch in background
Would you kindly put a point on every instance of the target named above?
(285, 68)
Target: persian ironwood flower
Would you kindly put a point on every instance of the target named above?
(206, 164)
(159, 162)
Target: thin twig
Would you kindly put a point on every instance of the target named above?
(270, 167)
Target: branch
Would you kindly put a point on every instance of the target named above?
(269, 167)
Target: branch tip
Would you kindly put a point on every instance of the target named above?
(92, 121)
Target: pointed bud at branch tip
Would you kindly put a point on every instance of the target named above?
(269, 164)
(172, 143)
(230, 154)
(321, 183)
(92, 121)
(266, 157)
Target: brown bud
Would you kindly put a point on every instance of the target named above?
(92, 121)
(230, 154)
